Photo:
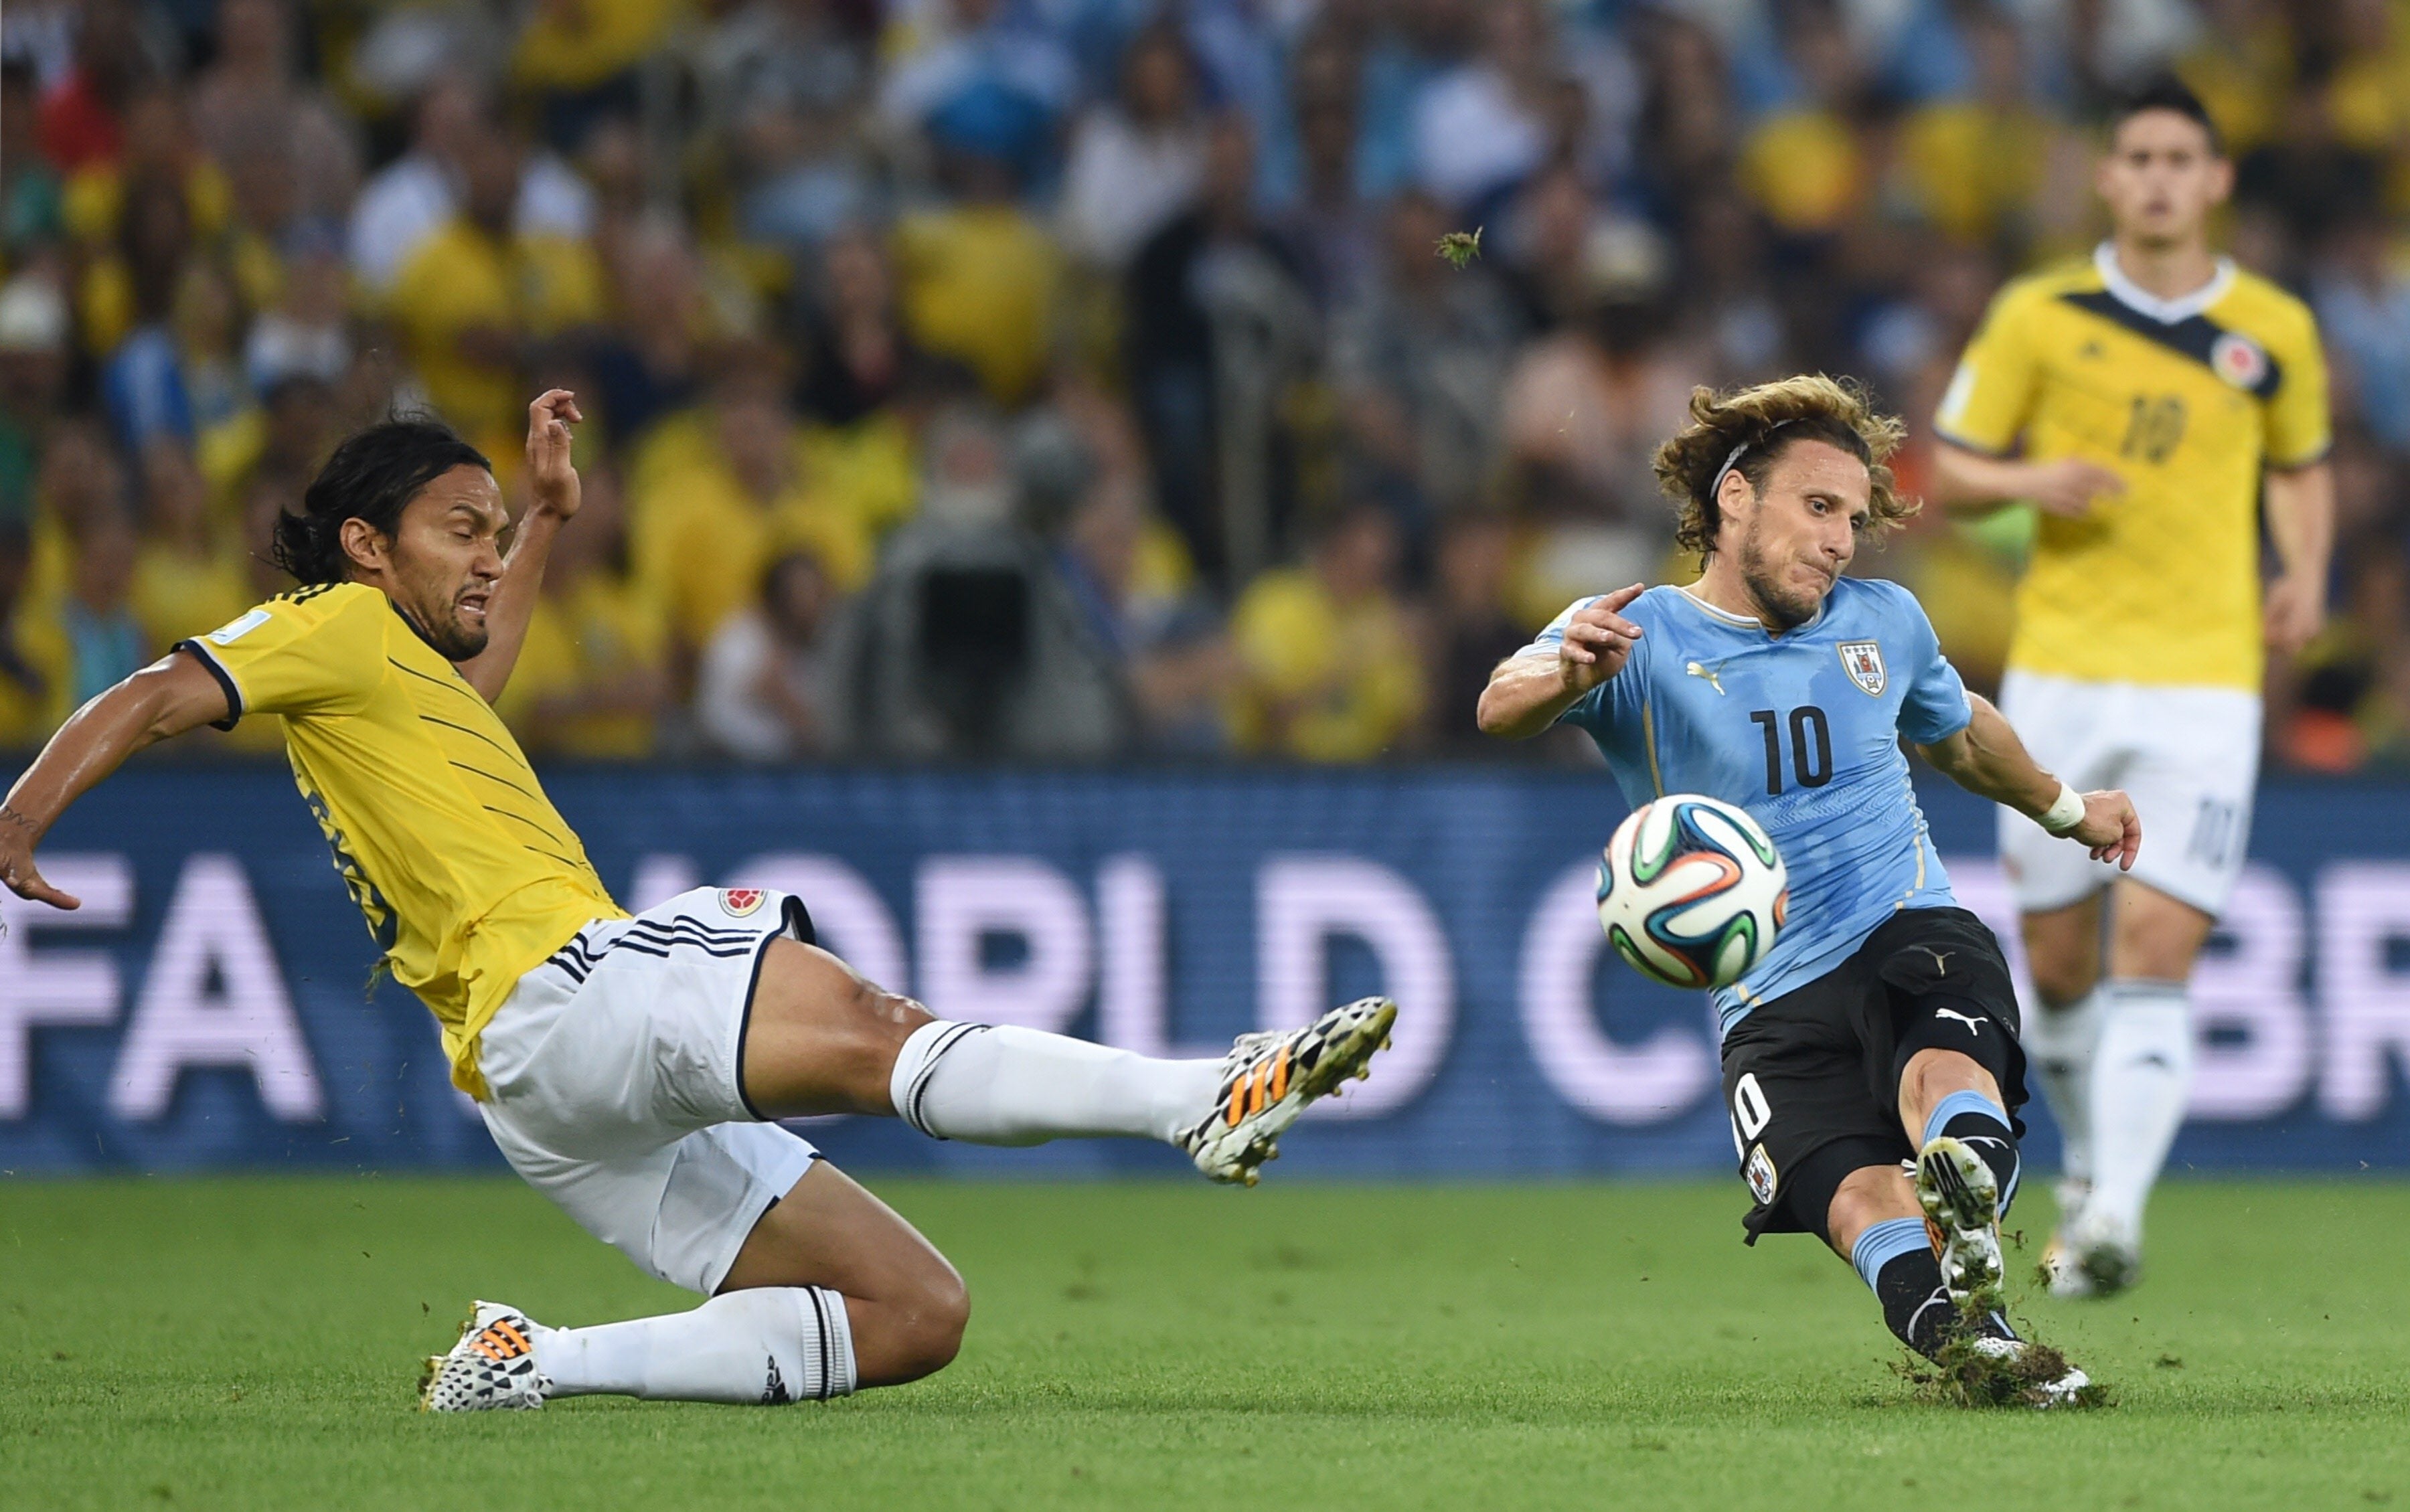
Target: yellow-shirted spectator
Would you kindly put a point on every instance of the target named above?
(867, 471)
(188, 580)
(591, 679)
(704, 532)
(870, 469)
(79, 480)
(570, 46)
(1976, 165)
(1803, 169)
(160, 149)
(473, 300)
(2369, 96)
(1328, 667)
(1802, 166)
(979, 282)
(26, 695)
(2242, 68)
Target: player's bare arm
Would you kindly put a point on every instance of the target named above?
(2300, 522)
(1988, 760)
(1967, 481)
(553, 498)
(158, 703)
(1526, 694)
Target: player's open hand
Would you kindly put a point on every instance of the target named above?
(550, 473)
(2111, 828)
(17, 872)
(2068, 486)
(1598, 639)
(2294, 611)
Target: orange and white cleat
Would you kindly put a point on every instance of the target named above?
(1267, 1078)
(492, 1367)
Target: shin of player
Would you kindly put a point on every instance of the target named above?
(2142, 624)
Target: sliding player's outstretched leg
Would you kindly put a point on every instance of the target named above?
(824, 1040)
(634, 1079)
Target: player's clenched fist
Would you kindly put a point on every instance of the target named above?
(1598, 640)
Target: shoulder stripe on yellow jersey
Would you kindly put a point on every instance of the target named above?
(2195, 336)
(503, 780)
(524, 820)
(458, 687)
(574, 865)
(466, 731)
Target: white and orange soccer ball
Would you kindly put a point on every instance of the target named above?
(1691, 892)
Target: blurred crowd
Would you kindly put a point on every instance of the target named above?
(1065, 379)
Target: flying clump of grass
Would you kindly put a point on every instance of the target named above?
(1963, 1375)
(1461, 247)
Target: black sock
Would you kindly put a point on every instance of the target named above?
(1917, 1308)
(1982, 1126)
(1915, 1304)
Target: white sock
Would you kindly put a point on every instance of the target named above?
(2059, 1044)
(767, 1344)
(2141, 1076)
(1002, 1084)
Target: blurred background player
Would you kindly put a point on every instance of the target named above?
(1878, 1034)
(2138, 400)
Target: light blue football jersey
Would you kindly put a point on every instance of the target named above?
(1802, 730)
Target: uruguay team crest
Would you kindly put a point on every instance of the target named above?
(2239, 360)
(1863, 660)
(736, 902)
(1759, 1173)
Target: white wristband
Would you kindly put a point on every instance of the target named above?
(2064, 814)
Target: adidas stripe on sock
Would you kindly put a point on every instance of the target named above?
(1897, 1261)
(1004, 1085)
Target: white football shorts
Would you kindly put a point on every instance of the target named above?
(2189, 758)
(611, 1078)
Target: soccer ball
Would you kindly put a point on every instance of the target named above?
(1691, 892)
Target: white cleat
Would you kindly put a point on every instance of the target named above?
(2107, 1259)
(2067, 1279)
(1962, 1208)
(1267, 1078)
(492, 1367)
(2066, 1390)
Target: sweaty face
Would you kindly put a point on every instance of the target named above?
(1800, 532)
(2161, 179)
(446, 559)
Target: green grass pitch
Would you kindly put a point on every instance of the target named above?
(251, 1343)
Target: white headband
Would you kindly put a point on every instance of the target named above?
(1716, 488)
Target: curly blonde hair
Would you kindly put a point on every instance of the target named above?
(1740, 429)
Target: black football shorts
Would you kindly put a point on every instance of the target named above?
(1812, 1079)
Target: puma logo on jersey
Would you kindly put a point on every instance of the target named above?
(1696, 670)
(1974, 1025)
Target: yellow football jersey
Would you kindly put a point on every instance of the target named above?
(467, 875)
(2187, 400)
